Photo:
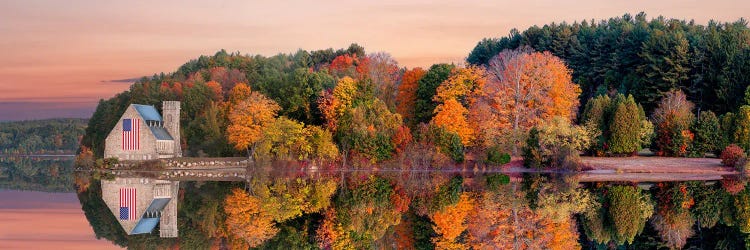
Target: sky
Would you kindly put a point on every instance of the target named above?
(58, 58)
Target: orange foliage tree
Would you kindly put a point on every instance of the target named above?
(407, 93)
(216, 89)
(452, 116)
(504, 220)
(454, 96)
(451, 222)
(246, 220)
(526, 87)
(349, 65)
(248, 118)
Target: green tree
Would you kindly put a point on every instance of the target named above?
(707, 134)
(427, 88)
(625, 128)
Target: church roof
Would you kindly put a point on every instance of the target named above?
(147, 224)
(148, 112)
(160, 133)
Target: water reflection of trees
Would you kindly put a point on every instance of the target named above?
(48, 174)
(423, 210)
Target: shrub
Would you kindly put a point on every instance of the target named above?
(553, 143)
(495, 156)
(732, 184)
(742, 127)
(732, 155)
(617, 125)
(566, 158)
(595, 117)
(532, 156)
(707, 134)
(625, 128)
(726, 123)
(446, 142)
(494, 181)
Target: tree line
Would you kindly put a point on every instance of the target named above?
(645, 58)
(529, 94)
(53, 136)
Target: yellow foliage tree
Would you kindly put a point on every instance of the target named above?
(334, 105)
(248, 118)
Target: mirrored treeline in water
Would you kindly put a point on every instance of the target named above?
(412, 210)
(48, 174)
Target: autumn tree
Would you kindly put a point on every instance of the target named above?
(407, 93)
(284, 139)
(383, 72)
(673, 118)
(451, 222)
(366, 211)
(368, 129)
(348, 65)
(502, 219)
(673, 219)
(454, 96)
(285, 199)
(248, 117)
(452, 116)
(246, 220)
(526, 87)
(321, 143)
(334, 104)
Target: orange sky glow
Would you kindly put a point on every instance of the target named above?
(38, 220)
(58, 57)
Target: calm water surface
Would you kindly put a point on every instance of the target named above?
(44, 204)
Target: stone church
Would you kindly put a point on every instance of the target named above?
(142, 134)
(139, 204)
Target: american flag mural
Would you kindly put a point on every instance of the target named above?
(127, 203)
(131, 131)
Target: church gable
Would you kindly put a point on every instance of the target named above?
(142, 134)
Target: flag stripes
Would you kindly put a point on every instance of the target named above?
(127, 203)
(131, 131)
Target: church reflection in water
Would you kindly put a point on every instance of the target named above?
(139, 204)
(229, 209)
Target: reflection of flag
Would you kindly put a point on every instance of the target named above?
(131, 132)
(127, 203)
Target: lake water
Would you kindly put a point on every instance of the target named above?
(44, 204)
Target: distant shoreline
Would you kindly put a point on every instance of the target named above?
(33, 155)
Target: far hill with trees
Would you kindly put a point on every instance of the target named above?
(53, 136)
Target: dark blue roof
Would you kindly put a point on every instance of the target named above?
(148, 112)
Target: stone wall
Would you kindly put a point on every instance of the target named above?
(168, 220)
(113, 143)
(171, 110)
